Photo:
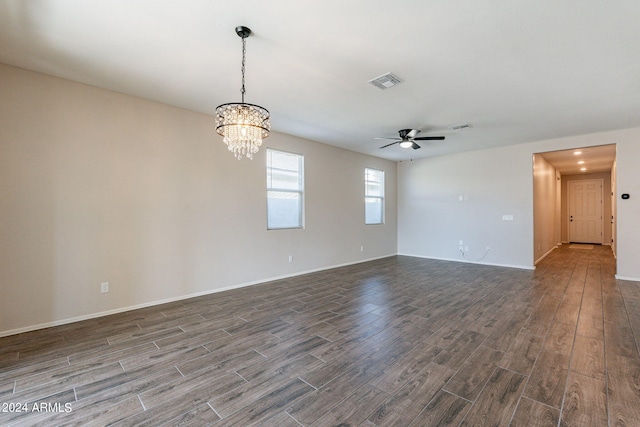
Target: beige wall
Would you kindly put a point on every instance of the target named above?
(97, 186)
(499, 181)
(546, 209)
(628, 211)
(494, 182)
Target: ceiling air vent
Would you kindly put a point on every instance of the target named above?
(460, 126)
(385, 81)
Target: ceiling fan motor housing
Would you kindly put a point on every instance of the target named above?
(404, 132)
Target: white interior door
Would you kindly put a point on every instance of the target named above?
(585, 211)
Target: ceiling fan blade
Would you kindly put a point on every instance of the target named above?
(414, 145)
(382, 137)
(429, 138)
(385, 146)
(413, 132)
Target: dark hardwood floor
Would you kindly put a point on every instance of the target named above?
(399, 341)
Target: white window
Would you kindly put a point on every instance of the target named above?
(373, 196)
(285, 190)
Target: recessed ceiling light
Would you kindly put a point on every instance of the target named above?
(583, 169)
(577, 153)
(581, 162)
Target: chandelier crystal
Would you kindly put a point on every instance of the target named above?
(242, 126)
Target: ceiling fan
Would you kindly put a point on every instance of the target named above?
(408, 139)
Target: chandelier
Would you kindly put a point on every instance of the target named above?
(242, 126)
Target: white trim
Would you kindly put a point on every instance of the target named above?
(522, 267)
(545, 255)
(174, 299)
(633, 279)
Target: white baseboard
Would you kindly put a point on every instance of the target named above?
(545, 255)
(632, 279)
(178, 298)
(464, 261)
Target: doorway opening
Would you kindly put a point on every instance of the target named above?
(573, 198)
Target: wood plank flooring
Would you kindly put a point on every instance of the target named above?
(399, 341)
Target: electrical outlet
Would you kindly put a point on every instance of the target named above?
(361, 248)
(466, 248)
(104, 287)
(290, 258)
(461, 243)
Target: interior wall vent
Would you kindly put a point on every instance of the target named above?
(385, 81)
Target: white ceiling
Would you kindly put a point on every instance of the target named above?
(592, 159)
(518, 71)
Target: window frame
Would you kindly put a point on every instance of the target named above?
(300, 191)
(380, 197)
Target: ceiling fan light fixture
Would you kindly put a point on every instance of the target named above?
(407, 139)
(243, 126)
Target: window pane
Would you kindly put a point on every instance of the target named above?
(283, 179)
(373, 210)
(284, 210)
(374, 180)
(373, 189)
(285, 187)
(287, 161)
(284, 171)
(374, 196)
